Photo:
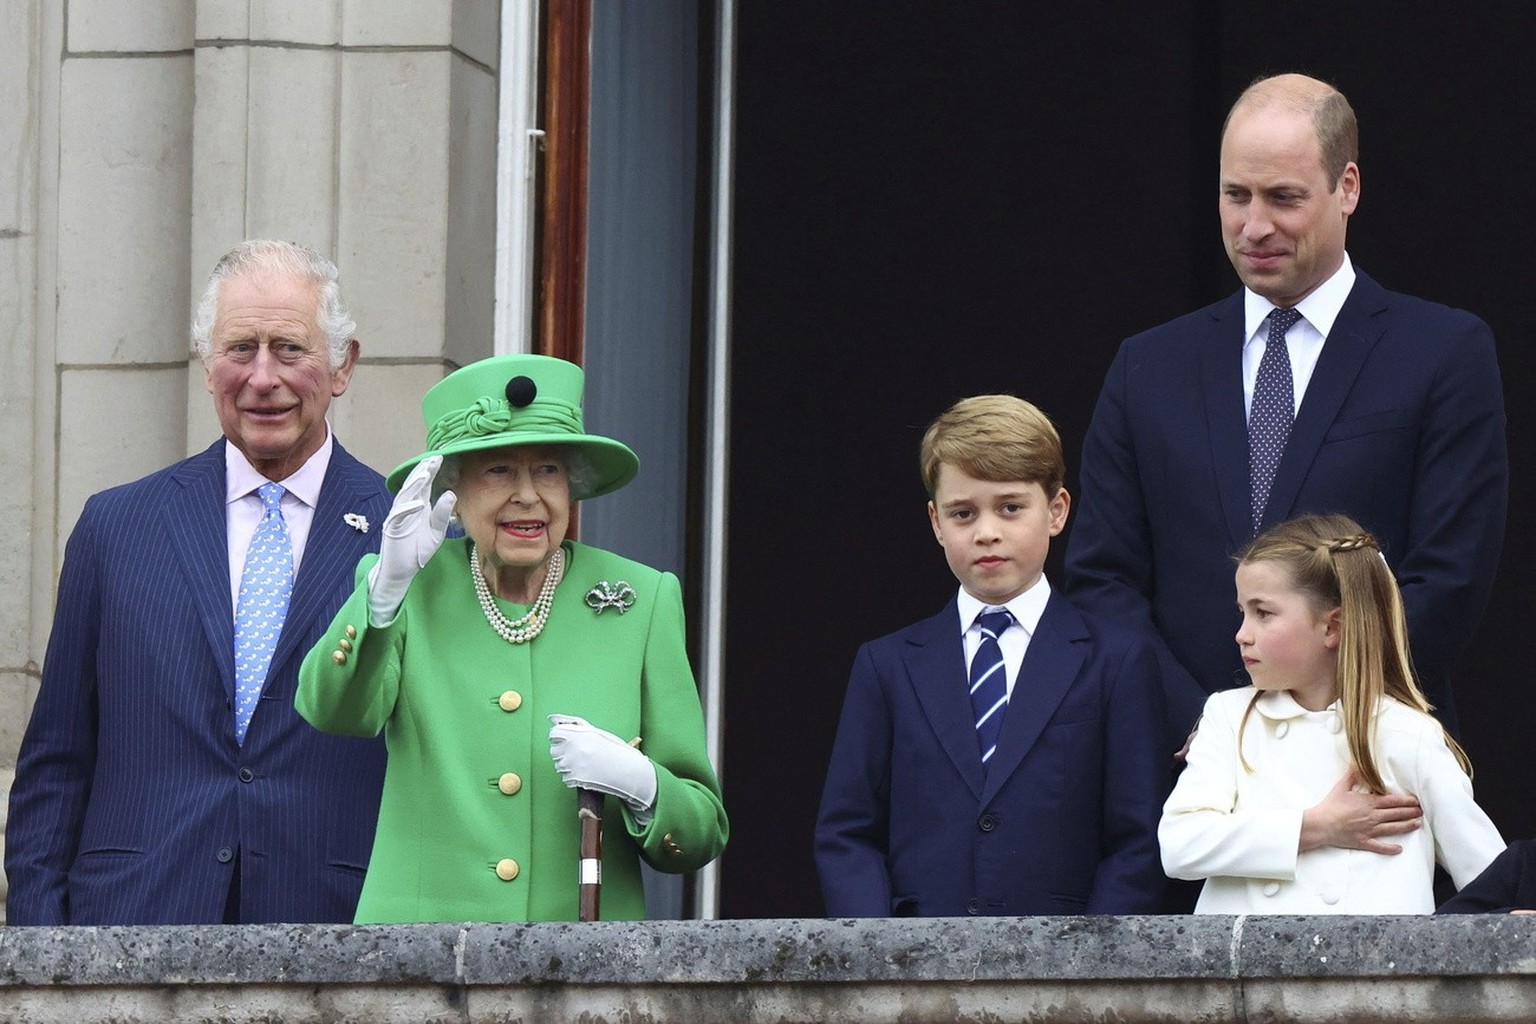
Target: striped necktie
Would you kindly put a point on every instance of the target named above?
(989, 684)
(265, 584)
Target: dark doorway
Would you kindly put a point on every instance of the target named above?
(942, 199)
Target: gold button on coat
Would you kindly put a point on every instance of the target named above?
(339, 657)
(510, 783)
(351, 632)
(506, 869)
(510, 701)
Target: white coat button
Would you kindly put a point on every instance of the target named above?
(1281, 729)
(1335, 723)
(1330, 896)
(1271, 888)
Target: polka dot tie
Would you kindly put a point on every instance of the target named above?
(1272, 413)
(265, 584)
(989, 684)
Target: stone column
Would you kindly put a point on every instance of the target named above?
(147, 137)
(95, 113)
(365, 129)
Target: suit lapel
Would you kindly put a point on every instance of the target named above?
(1051, 665)
(330, 554)
(196, 532)
(1354, 334)
(1221, 372)
(936, 670)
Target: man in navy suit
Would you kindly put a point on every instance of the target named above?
(138, 799)
(1002, 757)
(1398, 420)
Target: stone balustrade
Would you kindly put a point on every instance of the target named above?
(1163, 969)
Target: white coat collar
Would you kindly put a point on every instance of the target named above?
(1279, 705)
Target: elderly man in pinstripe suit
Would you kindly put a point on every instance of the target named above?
(165, 777)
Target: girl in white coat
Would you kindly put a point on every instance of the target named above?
(1326, 787)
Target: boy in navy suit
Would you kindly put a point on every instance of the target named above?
(1004, 756)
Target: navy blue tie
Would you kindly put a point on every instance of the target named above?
(989, 682)
(1272, 413)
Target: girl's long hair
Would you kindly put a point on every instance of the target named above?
(1335, 563)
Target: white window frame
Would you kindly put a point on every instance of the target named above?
(518, 138)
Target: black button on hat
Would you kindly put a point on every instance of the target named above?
(521, 390)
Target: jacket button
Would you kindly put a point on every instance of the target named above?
(506, 869)
(225, 855)
(1271, 888)
(973, 906)
(510, 701)
(1281, 729)
(510, 783)
(246, 775)
(986, 823)
(1335, 724)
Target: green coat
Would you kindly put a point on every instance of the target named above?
(461, 708)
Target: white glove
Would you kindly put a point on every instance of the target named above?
(410, 537)
(591, 758)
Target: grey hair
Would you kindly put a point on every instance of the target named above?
(579, 472)
(262, 254)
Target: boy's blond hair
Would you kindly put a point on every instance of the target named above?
(997, 438)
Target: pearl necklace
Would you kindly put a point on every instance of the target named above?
(524, 629)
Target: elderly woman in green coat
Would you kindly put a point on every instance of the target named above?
(465, 651)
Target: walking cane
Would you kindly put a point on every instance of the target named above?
(589, 809)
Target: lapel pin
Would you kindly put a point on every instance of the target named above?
(357, 522)
(618, 595)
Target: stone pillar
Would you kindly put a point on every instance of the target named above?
(144, 139)
(367, 130)
(96, 114)
(21, 43)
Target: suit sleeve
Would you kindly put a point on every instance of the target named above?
(1460, 500)
(688, 826)
(1498, 890)
(354, 694)
(1130, 879)
(58, 753)
(1203, 833)
(853, 825)
(1109, 552)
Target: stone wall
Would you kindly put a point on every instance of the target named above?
(143, 139)
(1153, 969)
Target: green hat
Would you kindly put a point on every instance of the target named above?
(518, 400)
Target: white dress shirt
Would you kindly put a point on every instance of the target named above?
(1304, 341)
(1014, 642)
(243, 508)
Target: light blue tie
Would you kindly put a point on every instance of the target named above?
(265, 584)
(989, 684)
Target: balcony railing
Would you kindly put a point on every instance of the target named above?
(1184, 969)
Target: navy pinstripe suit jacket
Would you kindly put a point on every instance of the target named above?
(132, 799)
